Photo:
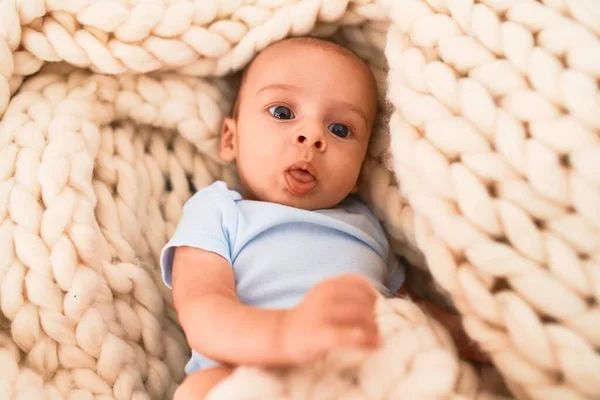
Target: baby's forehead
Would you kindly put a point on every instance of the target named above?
(297, 48)
(289, 53)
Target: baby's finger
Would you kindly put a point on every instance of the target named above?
(351, 314)
(358, 283)
(362, 337)
(359, 294)
(351, 337)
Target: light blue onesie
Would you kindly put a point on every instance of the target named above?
(278, 253)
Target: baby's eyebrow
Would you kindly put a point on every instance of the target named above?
(351, 107)
(278, 86)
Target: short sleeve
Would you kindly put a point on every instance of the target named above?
(397, 273)
(208, 222)
(368, 223)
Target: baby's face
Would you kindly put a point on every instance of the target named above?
(304, 120)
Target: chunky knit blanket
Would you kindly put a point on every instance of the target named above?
(485, 172)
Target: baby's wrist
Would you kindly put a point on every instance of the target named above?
(284, 342)
(289, 345)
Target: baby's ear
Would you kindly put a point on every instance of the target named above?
(227, 145)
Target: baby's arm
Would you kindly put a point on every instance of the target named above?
(215, 323)
(336, 313)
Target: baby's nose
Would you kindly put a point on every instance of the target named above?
(315, 139)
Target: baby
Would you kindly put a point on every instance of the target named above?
(289, 267)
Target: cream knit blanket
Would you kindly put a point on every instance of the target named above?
(489, 176)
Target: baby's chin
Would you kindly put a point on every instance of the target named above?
(316, 199)
(304, 203)
(309, 201)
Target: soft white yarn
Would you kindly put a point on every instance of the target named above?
(417, 362)
(496, 147)
(494, 140)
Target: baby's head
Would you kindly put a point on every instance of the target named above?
(301, 124)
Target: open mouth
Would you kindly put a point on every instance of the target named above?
(300, 178)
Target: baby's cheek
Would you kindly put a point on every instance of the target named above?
(345, 176)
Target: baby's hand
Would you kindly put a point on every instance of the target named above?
(336, 313)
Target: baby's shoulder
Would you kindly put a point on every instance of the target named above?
(216, 195)
(355, 212)
(356, 220)
(354, 206)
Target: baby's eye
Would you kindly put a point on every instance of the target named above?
(339, 130)
(281, 112)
